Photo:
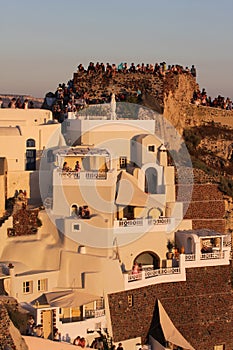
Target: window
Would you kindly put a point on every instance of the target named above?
(130, 300)
(151, 148)
(27, 287)
(76, 227)
(31, 159)
(219, 347)
(123, 162)
(30, 143)
(42, 285)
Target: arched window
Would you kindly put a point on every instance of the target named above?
(30, 143)
(151, 180)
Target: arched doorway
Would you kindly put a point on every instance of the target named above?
(148, 260)
(151, 180)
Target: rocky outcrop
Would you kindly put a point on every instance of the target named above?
(10, 337)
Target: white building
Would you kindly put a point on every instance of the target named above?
(119, 209)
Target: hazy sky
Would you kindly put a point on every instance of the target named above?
(42, 42)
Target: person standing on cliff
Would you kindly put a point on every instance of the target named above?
(193, 71)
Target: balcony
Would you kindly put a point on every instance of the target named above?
(176, 273)
(161, 275)
(89, 175)
(135, 225)
(216, 257)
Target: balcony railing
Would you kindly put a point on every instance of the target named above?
(69, 174)
(143, 222)
(153, 273)
(214, 255)
(164, 271)
(88, 175)
(190, 257)
(94, 313)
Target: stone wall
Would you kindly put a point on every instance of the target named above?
(200, 308)
(10, 337)
(207, 208)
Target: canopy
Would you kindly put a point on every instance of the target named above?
(171, 334)
(129, 193)
(70, 298)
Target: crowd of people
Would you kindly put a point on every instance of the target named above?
(200, 98)
(18, 103)
(110, 70)
(67, 98)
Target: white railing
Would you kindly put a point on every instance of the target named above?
(143, 222)
(89, 175)
(94, 313)
(160, 221)
(215, 255)
(163, 271)
(153, 273)
(69, 174)
(190, 257)
(96, 175)
(134, 277)
(99, 313)
(135, 222)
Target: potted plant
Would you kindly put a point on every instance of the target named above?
(170, 246)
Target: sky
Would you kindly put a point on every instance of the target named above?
(42, 42)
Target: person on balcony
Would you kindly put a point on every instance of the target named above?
(135, 269)
(77, 167)
(85, 212)
(65, 167)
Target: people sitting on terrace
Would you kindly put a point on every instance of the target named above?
(205, 249)
(79, 341)
(77, 167)
(65, 167)
(200, 98)
(56, 334)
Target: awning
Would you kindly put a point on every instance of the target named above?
(70, 298)
(128, 193)
(171, 334)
